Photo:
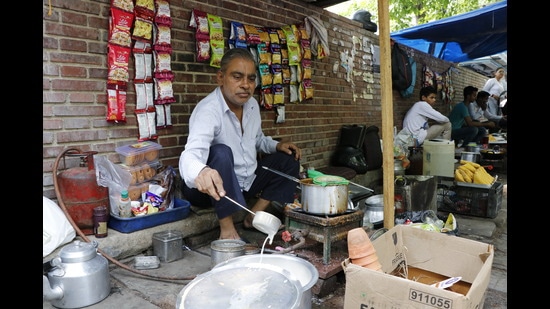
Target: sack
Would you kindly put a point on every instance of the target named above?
(409, 91)
(350, 157)
(401, 72)
(56, 228)
(352, 135)
(372, 148)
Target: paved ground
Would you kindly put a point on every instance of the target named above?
(159, 287)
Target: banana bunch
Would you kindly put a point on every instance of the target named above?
(472, 172)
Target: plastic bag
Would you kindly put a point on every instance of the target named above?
(113, 177)
(56, 228)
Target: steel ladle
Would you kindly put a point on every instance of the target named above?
(298, 180)
(263, 221)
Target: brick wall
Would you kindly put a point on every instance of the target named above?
(75, 71)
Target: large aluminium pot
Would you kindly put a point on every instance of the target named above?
(299, 269)
(256, 285)
(326, 199)
(79, 277)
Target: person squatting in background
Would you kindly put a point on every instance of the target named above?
(479, 112)
(417, 118)
(478, 108)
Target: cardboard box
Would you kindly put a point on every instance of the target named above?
(428, 257)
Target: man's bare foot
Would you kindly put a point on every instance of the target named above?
(234, 235)
(247, 222)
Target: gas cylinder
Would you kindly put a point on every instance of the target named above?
(77, 189)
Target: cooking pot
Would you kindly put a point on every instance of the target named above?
(496, 153)
(329, 199)
(470, 156)
(224, 249)
(79, 277)
(473, 148)
(322, 195)
(374, 211)
(398, 168)
(256, 285)
(303, 270)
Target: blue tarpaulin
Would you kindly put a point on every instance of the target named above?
(463, 37)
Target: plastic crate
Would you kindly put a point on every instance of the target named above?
(479, 202)
(180, 211)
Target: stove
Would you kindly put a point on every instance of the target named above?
(323, 228)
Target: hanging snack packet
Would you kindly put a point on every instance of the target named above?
(252, 35)
(120, 23)
(118, 60)
(126, 5)
(199, 21)
(162, 13)
(237, 37)
(143, 30)
(145, 9)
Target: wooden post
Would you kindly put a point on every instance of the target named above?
(387, 112)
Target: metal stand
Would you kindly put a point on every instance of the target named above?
(323, 229)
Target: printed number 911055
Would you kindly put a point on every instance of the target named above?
(429, 299)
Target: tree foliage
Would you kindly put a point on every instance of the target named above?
(408, 13)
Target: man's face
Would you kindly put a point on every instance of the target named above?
(431, 98)
(482, 102)
(238, 81)
(472, 96)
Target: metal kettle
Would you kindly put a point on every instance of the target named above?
(78, 277)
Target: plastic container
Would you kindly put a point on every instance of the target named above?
(478, 202)
(142, 172)
(168, 245)
(179, 211)
(138, 153)
(438, 157)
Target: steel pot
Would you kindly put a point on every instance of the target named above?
(256, 285)
(299, 268)
(496, 153)
(224, 249)
(398, 168)
(324, 199)
(79, 277)
(374, 211)
(470, 156)
(473, 148)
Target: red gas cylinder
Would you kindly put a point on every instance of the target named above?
(77, 189)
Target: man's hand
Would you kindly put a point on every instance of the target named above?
(210, 182)
(290, 148)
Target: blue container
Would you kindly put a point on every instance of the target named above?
(180, 211)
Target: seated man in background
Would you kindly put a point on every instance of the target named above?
(478, 108)
(416, 120)
(464, 128)
(500, 121)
